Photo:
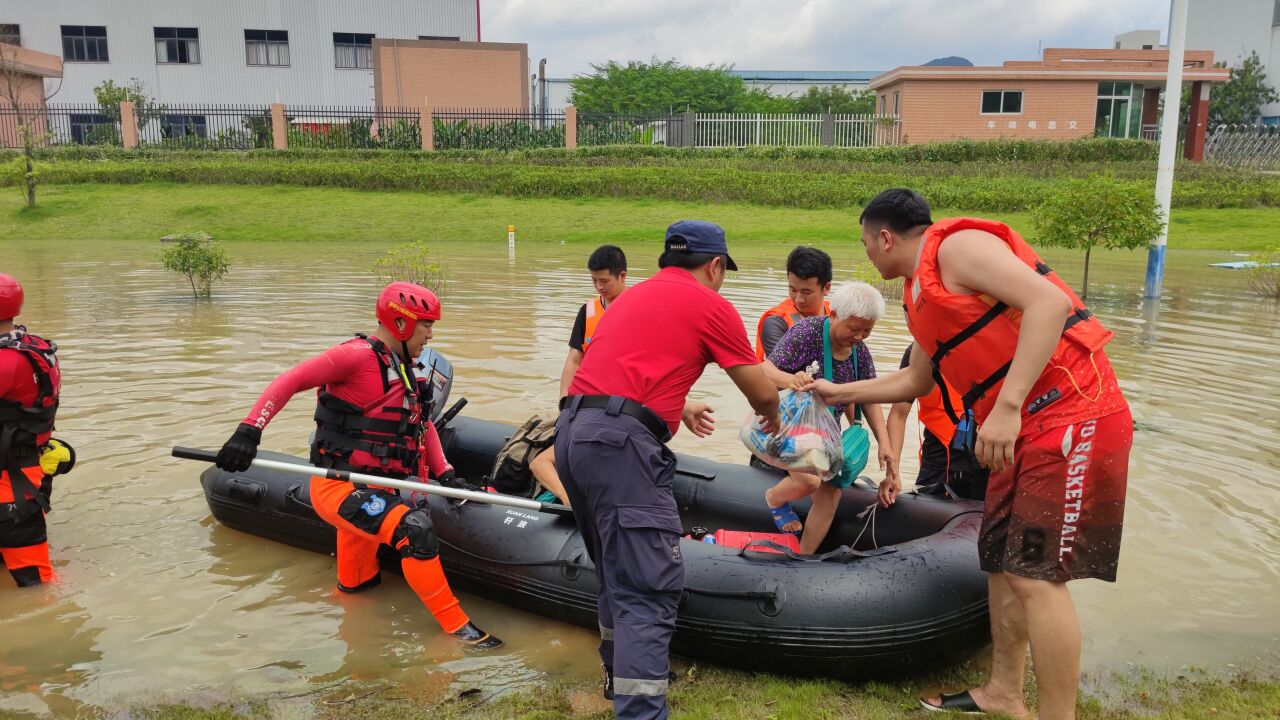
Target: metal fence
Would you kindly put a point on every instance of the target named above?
(465, 129)
(46, 126)
(756, 129)
(662, 129)
(217, 127)
(339, 127)
(1251, 146)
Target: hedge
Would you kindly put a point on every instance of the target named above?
(699, 181)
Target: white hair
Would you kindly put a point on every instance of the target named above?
(857, 299)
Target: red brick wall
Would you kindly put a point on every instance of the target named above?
(938, 110)
(451, 74)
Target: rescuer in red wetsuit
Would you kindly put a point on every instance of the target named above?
(373, 416)
(30, 382)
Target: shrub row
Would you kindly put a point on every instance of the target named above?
(696, 183)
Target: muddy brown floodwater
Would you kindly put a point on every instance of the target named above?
(158, 602)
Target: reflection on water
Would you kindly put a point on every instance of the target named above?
(158, 601)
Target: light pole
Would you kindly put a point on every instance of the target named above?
(1168, 145)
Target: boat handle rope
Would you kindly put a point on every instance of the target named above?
(520, 563)
(844, 552)
(743, 594)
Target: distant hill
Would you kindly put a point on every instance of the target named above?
(950, 61)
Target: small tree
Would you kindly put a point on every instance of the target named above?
(412, 262)
(27, 106)
(1098, 210)
(1239, 100)
(1264, 277)
(197, 256)
(110, 95)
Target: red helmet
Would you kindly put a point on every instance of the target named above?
(11, 297)
(408, 301)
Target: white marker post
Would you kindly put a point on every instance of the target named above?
(511, 242)
(1168, 146)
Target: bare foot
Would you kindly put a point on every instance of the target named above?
(1012, 706)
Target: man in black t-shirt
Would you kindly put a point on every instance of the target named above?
(945, 461)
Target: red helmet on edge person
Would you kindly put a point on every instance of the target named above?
(11, 297)
(407, 301)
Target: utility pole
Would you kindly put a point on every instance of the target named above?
(1168, 145)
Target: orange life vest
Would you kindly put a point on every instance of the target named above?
(788, 312)
(971, 338)
(595, 311)
(933, 415)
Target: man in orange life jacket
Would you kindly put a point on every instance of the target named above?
(608, 268)
(947, 463)
(30, 382)
(373, 416)
(1027, 359)
(808, 283)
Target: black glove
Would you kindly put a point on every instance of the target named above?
(450, 479)
(238, 452)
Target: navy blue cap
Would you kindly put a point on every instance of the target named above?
(699, 236)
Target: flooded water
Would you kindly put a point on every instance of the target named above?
(158, 602)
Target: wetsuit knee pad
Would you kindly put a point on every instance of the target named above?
(28, 529)
(415, 537)
(366, 508)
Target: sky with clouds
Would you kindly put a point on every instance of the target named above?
(807, 34)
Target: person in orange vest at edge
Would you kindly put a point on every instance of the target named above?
(373, 416)
(947, 463)
(808, 284)
(1027, 359)
(30, 382)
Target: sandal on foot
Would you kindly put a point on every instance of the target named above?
(784, 514)
(961, 702)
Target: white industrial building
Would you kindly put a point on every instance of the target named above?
(300, 52)
(1234, 29)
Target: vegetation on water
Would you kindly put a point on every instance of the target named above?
(1263, 278)
(412, 261)
(716, 694)
(199, 257)
(805, 178)
(236, 213)
(1097, 211)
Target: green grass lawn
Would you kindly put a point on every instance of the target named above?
(264, 213)
(709, 694)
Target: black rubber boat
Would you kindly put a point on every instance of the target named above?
(893, 591)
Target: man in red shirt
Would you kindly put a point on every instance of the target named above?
(373, 416)
(30, 382)
(624, 403)
(1027, 358)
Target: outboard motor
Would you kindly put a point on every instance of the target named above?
(439, 372)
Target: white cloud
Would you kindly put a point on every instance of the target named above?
(807, 34)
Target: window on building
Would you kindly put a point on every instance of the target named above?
(10, 34)
(352, 50)
(84, 43)
(1001, 102)
(1146, 47)
(266, 47)
(177, 46)
(1119, 112)
(439, 37)
(180, 126)
(92, 129)
(897, 102)
(884, 104)
(1275, 15)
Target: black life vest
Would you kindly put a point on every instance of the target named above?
(23, 427)
(382, 437)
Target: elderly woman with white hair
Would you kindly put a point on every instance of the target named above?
(799, 357)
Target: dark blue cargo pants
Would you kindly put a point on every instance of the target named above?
(618, 478)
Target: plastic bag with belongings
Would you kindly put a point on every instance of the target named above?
(807, 440)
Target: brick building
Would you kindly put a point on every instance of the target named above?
(450, 74)
(1069, 93)
(22, 81)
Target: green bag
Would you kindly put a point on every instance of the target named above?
(855, 438)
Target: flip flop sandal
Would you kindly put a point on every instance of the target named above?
(961, 702)
(784, 514)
